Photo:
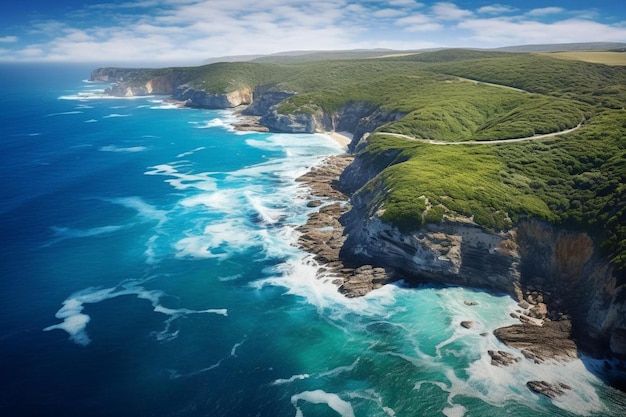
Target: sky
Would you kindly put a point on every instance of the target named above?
(191, 31)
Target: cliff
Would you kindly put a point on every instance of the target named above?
(193, 97)
(128, 82)
(559, 274)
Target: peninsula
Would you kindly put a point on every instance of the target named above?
(535, 207)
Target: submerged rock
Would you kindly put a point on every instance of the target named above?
(549, 390)
(468, 324)
(502, 358)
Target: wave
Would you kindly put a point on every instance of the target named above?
(75, 321)
(96, 94)
(264, 214)
(191, 152)
(181, 181)
(233, 354)
(130, 149)
(64, 113)
(115, 115)
(333, 401)
(64, 233)
(145, 210)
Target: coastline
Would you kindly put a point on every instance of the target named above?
(343, 138)
(247, 123)
(322, 234)
(537, 338)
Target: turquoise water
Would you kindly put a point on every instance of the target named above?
(149, 268)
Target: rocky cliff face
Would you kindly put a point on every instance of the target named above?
(193, 97)
(357, 118)
(568, 267)
(561, 272)
(265, 99)
(313, 122)
(454, 252)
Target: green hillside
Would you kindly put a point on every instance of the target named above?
(456, 96)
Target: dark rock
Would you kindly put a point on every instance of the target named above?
(468, 324)
(502, 358)
(549, 390)
(552, 341)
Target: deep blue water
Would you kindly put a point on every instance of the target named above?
(148, 268)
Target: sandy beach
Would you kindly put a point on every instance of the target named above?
(343, 138)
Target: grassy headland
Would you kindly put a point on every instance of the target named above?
(577, 180)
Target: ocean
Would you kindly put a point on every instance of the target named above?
(149, 268)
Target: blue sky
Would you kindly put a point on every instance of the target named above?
(190, 31)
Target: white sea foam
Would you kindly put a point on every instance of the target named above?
(230, 278)
(299, 276)
(145, 210)
(225, 121)
(64, 233)
(75, 321)
(115, 115)
(290, 380)
(181, 181)
(162, 105)
(217, 122)
(218, 240)
(63, 113)
(265, 214)
(219, 201)
(191, 152)
(96, 94)
(91, 121)
(454, 411)
(233, 354)
(129, 149)
(333, 401)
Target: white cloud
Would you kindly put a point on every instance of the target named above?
(545, 11)
(406, 3)
(388, 13)
(501, 32)
(496, 9)
(194, 30)
(419, 23)
(450, 11)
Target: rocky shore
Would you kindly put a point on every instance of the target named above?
(542, 335)
(323, 236)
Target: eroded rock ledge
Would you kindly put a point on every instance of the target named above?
(323, 236)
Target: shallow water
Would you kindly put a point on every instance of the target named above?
(149, 268)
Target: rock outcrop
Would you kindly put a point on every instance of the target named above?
(309, 122)
(550, 390)
(193, 97)
(264, 99)
(550, 341)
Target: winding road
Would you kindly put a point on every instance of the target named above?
(487, 142)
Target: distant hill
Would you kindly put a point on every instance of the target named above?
(291, 57)
(565, 47)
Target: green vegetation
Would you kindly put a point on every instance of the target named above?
(577, 180)
(599, 57)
